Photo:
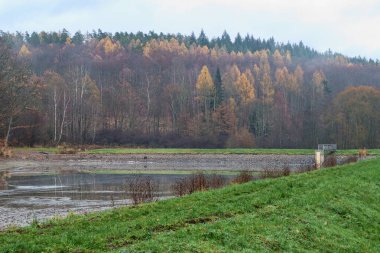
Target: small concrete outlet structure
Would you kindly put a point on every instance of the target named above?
(323, 149)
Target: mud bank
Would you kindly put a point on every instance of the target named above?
(40, 163)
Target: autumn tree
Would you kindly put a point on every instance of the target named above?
(355, 116)
(278, 59)
(139, 88)
(246, 89)
(16, 91)
(85, 98)
(205, 92)
(230, 78)
(24, 51)
(263, 113)
(314, 108)
(225, 122)
(57, 96)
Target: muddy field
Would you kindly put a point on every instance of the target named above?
(45, 163)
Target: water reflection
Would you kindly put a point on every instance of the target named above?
(76, 189)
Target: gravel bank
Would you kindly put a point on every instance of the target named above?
(46, 163)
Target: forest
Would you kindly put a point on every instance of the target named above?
(174, 90)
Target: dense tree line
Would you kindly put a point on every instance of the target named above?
(176, 90)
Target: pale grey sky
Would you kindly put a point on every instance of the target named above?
(346, 26)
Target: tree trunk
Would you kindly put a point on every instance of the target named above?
(65, 104)
(55, 114)
(8, 131)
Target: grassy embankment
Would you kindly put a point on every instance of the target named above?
(330, 210)
(257, 151)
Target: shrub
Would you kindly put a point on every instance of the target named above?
(363, 152)
(273, 173)
(6, 152)
(216, 181)
(330, 161)
(243, 177)
(141, 189)
(180, 187)
(3, 180)
(197, 182)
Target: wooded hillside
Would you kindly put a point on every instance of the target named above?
(183, 91)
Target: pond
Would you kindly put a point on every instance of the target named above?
(37, 189)
(27, 198)
(74, 190)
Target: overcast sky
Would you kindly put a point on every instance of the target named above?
(347, 26)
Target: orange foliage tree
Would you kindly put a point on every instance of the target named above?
(355, 117)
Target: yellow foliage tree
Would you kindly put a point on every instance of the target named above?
(205, 91)
(245, 89)
(158, 46)
(24, 51)
(229, 81)
(299, 79)
(291, 82)
(318, 79)
(278, 59)
(205, 85)
(265, 80)
(109, 46)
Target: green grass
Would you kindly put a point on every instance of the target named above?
(37, 149)
(254, 151)
(330, 210)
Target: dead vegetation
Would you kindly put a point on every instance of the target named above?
(350, 159)
(5, 150)
(275, 172)
(197, 182)
(330, 161)
(3, 179)
(363, 152)
(67, 150)
(243, 177)
(142, 189)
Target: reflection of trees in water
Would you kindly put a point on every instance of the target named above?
(3, 180)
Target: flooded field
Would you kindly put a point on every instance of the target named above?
(44, 187)
(74, 189)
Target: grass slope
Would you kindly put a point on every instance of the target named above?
(331, 210)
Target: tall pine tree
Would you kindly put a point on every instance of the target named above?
(219, 92)
(202, 39)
